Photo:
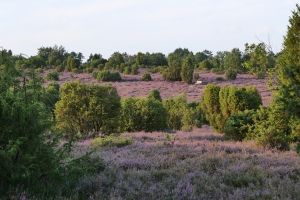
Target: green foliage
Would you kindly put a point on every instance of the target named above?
(39, 70)
(134, 69)
(95, 75)
(271, 128)
(219, 78)
(210, 104)
(72, 63)
(152, 115)
(260, 59)
(231, 74)
(87, 109)
(146, 77)
(287, 95)
(172, 73)
(52, 76)
(233, 60)
(238, 125)
(179, 55)
(181, 116)
(155, 95)
(187, 70)
(142, 114)
(219, 104)
(115, 60)
(106, 75)
(205, 65)
(112, 141)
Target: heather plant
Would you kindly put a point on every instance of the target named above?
(52, 76)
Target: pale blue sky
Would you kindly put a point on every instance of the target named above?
(106, 26)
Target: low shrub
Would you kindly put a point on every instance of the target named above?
(94, 75)
(231, 74)
(146, 77)
(52, 76)
(219, 78)
(111, 141)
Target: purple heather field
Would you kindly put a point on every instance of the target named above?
(188, 165)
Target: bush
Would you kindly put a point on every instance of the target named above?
(39, 70)
(112, 141)
(231, 74)
(103, 75)
(94, 75)
(146, 77)
(134, 69)
(196, 76)
(127, 70)
(52, 76)
(187, 70)
(154, 94)
(238, 125)
(271, 128)
(115, 76)
(217, 71)
(210, 105)
(219, 78)
(60, 68)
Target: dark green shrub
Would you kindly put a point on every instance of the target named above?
(154, 94)
(127, 70)
(134, 69)
(231, 74)
(152, 115)
(219, 78)
(271, 128)
(115, 76)
(238, 125)
(95, 75)
(103, 75)
(187, 70)
(205, 65)
(146, 77)
(172, 73)
(210, 105)
(52, 76)
(100, 67)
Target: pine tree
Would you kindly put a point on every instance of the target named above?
(288, 91)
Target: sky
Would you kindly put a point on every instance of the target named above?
(132, 26)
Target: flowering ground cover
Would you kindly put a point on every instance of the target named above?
(191, 165)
